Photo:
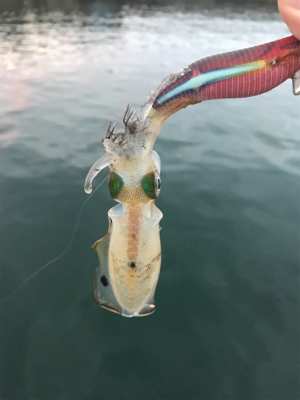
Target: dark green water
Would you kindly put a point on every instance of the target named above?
(226, 324)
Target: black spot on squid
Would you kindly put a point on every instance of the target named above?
(104, 280)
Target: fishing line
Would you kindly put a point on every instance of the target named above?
(64, 252)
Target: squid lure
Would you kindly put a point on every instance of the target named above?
(130, 253)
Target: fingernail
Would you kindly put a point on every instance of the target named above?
(293, 3)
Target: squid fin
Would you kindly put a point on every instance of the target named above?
(149, 308)
(103, 292)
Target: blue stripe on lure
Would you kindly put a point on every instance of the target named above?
(209, 77)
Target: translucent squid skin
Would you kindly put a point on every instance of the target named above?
(242, 73)
(130, 252)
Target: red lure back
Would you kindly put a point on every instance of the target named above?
(241, 73)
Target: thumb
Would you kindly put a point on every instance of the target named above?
(290, 13)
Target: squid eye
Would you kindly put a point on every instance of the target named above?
(151, 185)
(115, 184)
(148, 184)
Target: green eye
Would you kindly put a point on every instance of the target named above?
(149, 185)
(115, 184)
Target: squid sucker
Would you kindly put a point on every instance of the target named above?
(130, 253)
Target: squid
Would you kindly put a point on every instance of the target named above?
(130, 253)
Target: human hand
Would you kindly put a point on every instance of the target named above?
(290, 13)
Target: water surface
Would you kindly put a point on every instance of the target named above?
(227, 319)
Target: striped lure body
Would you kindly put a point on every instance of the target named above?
(236, 74)
(130, 253)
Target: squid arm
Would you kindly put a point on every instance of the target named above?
(99, 165)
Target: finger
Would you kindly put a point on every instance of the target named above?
(290, 13)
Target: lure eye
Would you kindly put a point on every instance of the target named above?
(115, 184)
(151, 185)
